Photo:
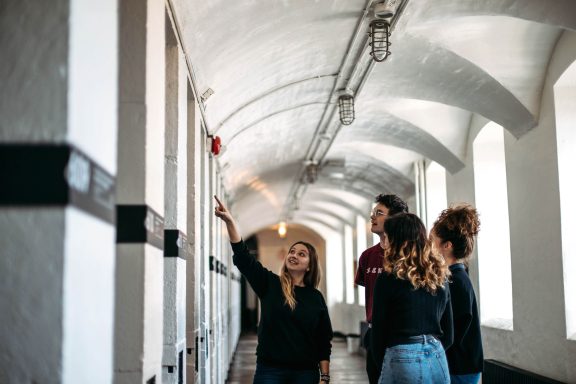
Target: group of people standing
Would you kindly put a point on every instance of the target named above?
(420, 303)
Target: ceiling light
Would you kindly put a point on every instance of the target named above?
(379, 39)
(346, 108)
(282, 229)
(311, 174)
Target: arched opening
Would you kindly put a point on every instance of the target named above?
(491, 193)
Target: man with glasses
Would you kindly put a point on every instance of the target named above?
(370, 266)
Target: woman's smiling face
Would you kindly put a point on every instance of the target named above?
(298, 258)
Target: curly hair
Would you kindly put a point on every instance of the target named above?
(459, 225)
(409, 255)
(311, 278)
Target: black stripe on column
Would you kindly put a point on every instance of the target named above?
(139, 224)
(175, 244)
(55, 175)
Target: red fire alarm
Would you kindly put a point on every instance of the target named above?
(216, 145)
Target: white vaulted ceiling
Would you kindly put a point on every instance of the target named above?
(275, 67)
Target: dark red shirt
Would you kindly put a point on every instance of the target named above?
(370, 265)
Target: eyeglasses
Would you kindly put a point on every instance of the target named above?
(377, 213)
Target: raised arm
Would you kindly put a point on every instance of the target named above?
(222, 213)
(251, 268)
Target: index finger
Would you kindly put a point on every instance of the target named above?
(218, 201)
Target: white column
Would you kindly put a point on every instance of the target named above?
(140, 262)
(176, 245)
(57, 209)
(194, 273)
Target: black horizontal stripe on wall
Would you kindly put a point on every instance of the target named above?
(139, 224)
(55, 175)
(175, 244)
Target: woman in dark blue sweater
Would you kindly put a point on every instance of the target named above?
(453, 236)
(295, 333)
(411, 314)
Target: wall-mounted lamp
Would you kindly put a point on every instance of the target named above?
(282, 229)
(346, 108)
(379, 39)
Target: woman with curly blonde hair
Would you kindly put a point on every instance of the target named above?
(453, 236)
(411, 313)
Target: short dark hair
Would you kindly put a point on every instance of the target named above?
(393, 203)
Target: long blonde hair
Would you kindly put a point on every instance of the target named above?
(409, 255)
(311, 277)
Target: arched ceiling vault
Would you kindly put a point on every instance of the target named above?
(277, 67)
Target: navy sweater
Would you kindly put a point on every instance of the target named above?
(298, 338)
(465, 356)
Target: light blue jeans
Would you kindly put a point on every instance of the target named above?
(419, 363)
(472, 378)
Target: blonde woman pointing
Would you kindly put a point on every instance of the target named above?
(295, 333)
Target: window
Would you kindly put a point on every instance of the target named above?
(361, 246)
(565, 106)
(334, 271)
(435, 192)
(349, 263)
(494, 237)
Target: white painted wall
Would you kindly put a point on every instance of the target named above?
(194, 236)
(93, 78)
(153, 312)
(565, 108)
(35, 77)
(89, 266)
(155, 93)
(31, 284)
(175, 208)
(58, 86)
(88, 299)
(538, 342)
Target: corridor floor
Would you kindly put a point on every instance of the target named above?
(344, 367)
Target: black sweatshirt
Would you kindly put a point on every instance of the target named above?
(297, 339)
(401, 311)
(465, 356)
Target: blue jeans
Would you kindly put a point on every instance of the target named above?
(272, 375)
(421, 363)
(472, 378)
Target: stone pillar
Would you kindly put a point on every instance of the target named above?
(58, 128)
(193, 217)
(176, 244)
(140, 194)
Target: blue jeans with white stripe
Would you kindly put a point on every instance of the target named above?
(422, 362)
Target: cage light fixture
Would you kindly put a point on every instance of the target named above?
(346, 108)
(311, 174)
(379, 39)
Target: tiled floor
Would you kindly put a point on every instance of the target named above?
(345, 367)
